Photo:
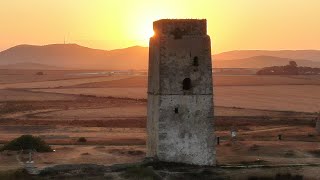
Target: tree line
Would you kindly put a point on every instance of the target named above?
(291, 69)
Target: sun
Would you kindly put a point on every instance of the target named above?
(150, 33)
(146, 31)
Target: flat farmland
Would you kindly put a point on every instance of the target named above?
(110, 112)
(231, 80)
(304, 98)
(135, 93)
(284, 93)
(27, 95)
(23, 76)
(301, 98)
(59, 83)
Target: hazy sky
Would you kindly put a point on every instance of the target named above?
(110, 24)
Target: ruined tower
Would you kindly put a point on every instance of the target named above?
(180, 99)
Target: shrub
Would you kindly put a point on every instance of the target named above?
(27, 142)
(311, 135)
(40, 73)
(254, 147)
(140, 173)
(315, 153)
(16, 174)
(289, 153)
(82, 139)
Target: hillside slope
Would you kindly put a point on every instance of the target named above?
(312, 55)
(76, 57)
(260, 62)
(73, 56)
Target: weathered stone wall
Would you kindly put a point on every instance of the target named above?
(190, 27)
(186, 136)
(180, 94)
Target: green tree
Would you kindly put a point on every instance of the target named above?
(25, 142)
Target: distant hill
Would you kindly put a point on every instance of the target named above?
(73, 56)
(312, 55)
(261, 62)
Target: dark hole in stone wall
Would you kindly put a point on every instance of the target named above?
(186, 84)
(176, 110)
(177, 33)
(196, 61)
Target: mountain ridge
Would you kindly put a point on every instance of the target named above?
(262, 61)
(313, 55)
(74, 56)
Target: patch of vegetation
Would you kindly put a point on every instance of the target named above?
(255, 162)
(290, 69)
(40, 73)
(19, 174)
(278, 177)
(254, 147)
(315, 153)
(198, 174)
(82, 139)
(139, 172)
(289, 153)
(25, 142)
(11, 107)
(73, 171)
(311, 135)
(131, 152)
(153, 169)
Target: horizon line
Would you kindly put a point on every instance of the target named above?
(84, 46)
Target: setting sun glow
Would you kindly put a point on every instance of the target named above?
(232, 25)
(144, 31)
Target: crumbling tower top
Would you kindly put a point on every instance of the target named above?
(188, 27)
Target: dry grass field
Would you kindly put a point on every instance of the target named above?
(304, 98)
(110, 112)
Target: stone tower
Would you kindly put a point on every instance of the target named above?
(180, 98)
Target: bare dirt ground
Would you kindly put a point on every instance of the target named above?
(110, 112)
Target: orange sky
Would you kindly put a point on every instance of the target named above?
(110, 24)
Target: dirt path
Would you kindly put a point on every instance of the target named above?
(26, 113)
(267, 130)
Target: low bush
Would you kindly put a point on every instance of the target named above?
(82, 139)
(25, 142)
(137, 173)
(16, 175)
(315, 153)
(40, 73)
